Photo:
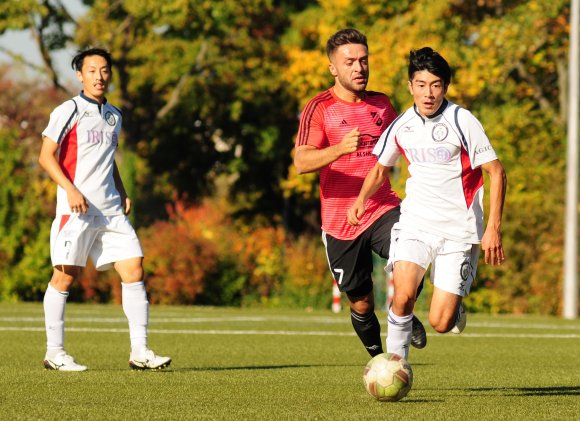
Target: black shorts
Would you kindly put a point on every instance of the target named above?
(351, 261)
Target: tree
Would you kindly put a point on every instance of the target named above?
(509, 60)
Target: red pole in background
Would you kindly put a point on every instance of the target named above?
(336, 304)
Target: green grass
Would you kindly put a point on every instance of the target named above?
(247, 365)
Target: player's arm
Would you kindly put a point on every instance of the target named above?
(125, 201)
(308, 158)
(491, 241)
(374, 179)
(47, 160)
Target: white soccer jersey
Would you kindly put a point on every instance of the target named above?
(88, 135)
(444, 193)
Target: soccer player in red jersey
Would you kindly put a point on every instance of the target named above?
(338, 131)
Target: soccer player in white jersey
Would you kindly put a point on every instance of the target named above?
(78, 153)
(441, 221)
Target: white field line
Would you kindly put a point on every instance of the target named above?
(259, 319)
(285, 332)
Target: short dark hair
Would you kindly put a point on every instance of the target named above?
(343, 37)
(77, 61)
(427, 59)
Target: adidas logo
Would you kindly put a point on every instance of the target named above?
(343, 123)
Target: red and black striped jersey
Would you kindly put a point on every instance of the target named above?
(324, 122)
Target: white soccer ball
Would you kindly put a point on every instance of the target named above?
(388, 377)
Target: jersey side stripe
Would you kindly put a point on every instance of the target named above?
(308, 114)
(456, 114)
(471, 179)
(67, 122)
(388, 132)
(68, 154)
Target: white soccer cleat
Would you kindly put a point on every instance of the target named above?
(461, 320)
(148, 361)
(63, 362)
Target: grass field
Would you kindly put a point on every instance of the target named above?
(283, 365)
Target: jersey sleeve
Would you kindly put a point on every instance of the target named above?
(475, 140)
(61, 121)
(386, 150)
(311, 131)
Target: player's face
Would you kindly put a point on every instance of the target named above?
(95, 75)
(428, 92)
(349, 65)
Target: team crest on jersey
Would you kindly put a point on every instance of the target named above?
(110, 118)
(465, 270)
(440, 132)
(377, 118)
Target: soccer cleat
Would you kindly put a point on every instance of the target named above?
(418, 334)
(148, 361)
(461, 320)
(63, 362)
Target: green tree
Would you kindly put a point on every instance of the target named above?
(202, 97)
(27, 198)
(509, 60)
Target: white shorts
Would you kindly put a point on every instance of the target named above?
(106, 239)
(454, 264)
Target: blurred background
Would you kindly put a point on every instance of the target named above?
(211, 94)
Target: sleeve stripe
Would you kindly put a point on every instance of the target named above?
(308, 114)
(463, 141)
(389, 132)
(62, 133)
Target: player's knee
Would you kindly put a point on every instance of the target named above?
(441, 325)
(134, 274)
(64, 276)
(403, 303)
(362, 305)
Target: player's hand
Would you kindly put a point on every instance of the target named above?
(350, 141)
(77, 202)
(126, 205)
(355, 212)
(492, 247)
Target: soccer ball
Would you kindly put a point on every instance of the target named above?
(388, 377)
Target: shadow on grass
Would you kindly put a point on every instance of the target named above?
(532, 391)
(261, 367)
(266, 367)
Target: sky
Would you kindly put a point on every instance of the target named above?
(21, 42)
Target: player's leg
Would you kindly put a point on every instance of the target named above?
(407, 277)
(380, 238)
(136, 308)
(453, 273)
(350, 262)
(69, 239)
(443, 311)
(365, 321)
(117, 245)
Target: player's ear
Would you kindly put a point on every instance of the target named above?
(79, 76)
(410, 85)
(332, 69)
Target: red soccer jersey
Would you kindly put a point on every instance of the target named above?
(324, 122)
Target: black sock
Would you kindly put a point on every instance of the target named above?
(368, 329)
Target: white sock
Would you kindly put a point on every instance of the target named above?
(399, 333)
(54, 305)
(136, 308)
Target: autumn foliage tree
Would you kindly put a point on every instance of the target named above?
(211, 94)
